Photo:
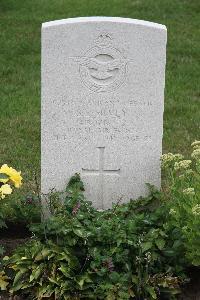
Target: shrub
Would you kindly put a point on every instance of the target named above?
(138, 250)
(183, 196)
(82, 253)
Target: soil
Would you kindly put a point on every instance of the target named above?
(14, 231)
(192, 290)
(12, 236)
(18, 234)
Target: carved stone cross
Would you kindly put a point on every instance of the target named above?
(101, 172)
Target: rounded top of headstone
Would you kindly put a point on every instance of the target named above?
(103, 19)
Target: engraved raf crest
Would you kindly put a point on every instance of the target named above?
(103, 68)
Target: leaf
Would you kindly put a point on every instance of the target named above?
(83, 279)
(53, 280)
(196, 261)
(131, 293)
(36, 273)
(4, 176)
(135, 279)
(65, 271)
(18, 283)
(146, 246)
(6, 258)
(1, 250)
(115, 277)
(17, 286)
(45, 291)
(43, 254)
(151, 292)
(3, 281)
(169, 253)
(110, 297)
(79, 232)
(160, 243)
(131, 243)
(177, 244)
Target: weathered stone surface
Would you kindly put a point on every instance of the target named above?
(102, 105)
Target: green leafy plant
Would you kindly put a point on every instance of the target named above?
(138, 250)
(183, 199)
(3, 281)
(27, 209)
(127, 252)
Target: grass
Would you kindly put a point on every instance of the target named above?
(20, 23)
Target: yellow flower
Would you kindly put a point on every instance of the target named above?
(14, 175)
(5, 190)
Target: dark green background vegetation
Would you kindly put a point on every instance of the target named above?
(20, 23)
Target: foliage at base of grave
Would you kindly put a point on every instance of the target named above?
(82, 253)
(26, 209)
(138, 250)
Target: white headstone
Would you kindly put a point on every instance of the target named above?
(102, 106)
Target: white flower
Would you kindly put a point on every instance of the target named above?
(196, 210)
(196, 153)
(182, 165)
(189, 191)
(172, 211)
(168, 158)
(195, 143)
(196, 147)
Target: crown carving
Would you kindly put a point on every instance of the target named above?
(104, 40)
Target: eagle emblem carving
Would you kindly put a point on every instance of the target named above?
(98, 69)
(102, 68)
